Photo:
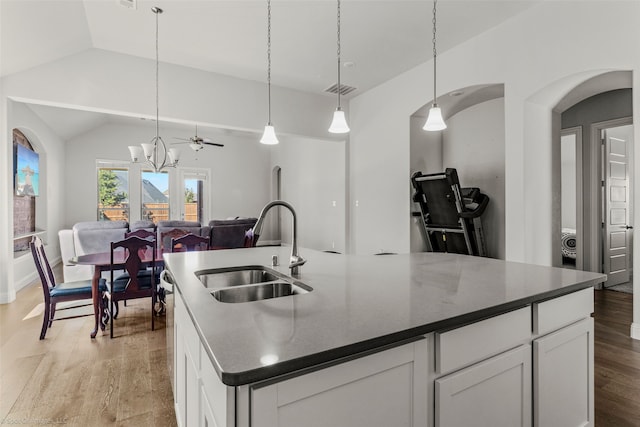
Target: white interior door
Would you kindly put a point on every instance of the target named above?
(617, 201)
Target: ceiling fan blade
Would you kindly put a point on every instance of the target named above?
(181, 139)
(217, 144)
(181, 142)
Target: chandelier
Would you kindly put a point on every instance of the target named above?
(155, 152)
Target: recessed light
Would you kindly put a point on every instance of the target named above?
(456, 93)
(349, 64)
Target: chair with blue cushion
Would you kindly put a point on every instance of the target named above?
(138, 281)
(59, 292)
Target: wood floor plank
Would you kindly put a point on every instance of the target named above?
(71, 379)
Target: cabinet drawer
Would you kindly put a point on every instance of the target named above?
(553, 314)
(471, 343)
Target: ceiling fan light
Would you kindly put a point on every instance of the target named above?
(339, 123)
(434, 120)
(136, 153)
(269, 136)
(195, 146)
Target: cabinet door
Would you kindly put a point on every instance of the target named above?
(207, 418)
(179, 365)
(563, 377)
(493, 393)
(382, 389)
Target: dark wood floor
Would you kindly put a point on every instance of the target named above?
(617, 362)
(69, 379)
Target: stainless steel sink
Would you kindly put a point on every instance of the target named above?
(250, 283)
(226, 277)
(257, 292)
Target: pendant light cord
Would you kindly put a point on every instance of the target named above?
(434, 52)
(269, 58)
(157, 12)
(339, 90)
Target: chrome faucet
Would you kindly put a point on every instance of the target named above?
(295, 260)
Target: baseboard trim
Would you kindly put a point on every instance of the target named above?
(7, 297)
(635, 331)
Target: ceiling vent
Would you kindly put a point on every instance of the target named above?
(344, 89)
(129, 4)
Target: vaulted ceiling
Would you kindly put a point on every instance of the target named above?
(380, 39)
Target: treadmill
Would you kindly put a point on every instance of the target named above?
(450, 215)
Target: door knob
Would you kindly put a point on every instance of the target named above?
(628, 227)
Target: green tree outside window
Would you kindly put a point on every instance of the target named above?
(108, 188)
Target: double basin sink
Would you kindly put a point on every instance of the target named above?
(250, 283)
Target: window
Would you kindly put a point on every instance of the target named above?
(193, 206)
(155, 196)
(192, 198)
(113, 193)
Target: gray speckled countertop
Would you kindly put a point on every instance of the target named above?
(358, 303)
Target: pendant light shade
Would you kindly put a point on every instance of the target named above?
(269, 136)
(339, 122)
(155, 152)
(434, 119)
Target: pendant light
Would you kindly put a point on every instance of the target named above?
(155, 152)
(339, 123)
(434, 119)
(269, 136)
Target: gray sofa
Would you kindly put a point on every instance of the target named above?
(192, 227)
(229, 233)
(85, 238)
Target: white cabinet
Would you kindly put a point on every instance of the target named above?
(201, 400)
(493, 393)
(480, 374)
(563, 377)
(382, 389)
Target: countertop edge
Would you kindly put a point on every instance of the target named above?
(363, 348)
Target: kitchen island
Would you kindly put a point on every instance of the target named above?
(420, 339)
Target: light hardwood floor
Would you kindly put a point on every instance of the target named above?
(70, 379)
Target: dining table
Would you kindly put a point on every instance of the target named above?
(102, 262)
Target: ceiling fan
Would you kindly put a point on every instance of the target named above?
(196, 142)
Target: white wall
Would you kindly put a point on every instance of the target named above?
(50, 203)
(505, 54)
(568, 172)
(238, 171)
(313, 182)
(473, 144)
(537, 69)
(98, 80)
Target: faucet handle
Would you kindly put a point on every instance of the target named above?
(296, 261)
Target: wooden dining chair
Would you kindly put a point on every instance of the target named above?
(189, 242)
(137, 281)
(59, 292)
(165, 238)
(142, 233)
